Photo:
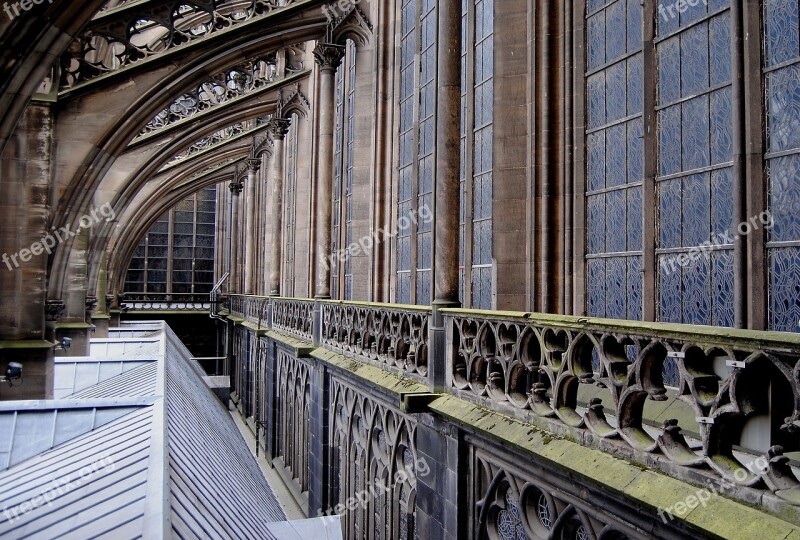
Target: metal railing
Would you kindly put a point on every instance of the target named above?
(165, 302)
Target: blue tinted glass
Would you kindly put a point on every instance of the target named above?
(785, 289)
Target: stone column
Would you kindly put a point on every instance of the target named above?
(447, 183)
(236, 190)
(253, 165)
(25, 169)
(266, 223)
(278, 128)
(328, 57)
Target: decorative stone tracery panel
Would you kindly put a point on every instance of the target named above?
(374, 460)
(292, 415)
(122, 38)
(293, 317)
(535, 367)
(397, 338)
(511, 504)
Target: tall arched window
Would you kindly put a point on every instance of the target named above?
(694, 183)
(417, 143)
(342, 271)
(177, 253)
(615, 158)
(782, 72)
(290, 207)
(693, 162)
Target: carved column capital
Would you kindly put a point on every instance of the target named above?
(254, 164)
(278, 127)
(236, 188)
(328, 55)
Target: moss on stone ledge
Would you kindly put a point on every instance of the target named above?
(720, 517)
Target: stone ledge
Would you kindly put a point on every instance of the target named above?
(721, 517)
(386, 382)
(299, 347)
(27, 344)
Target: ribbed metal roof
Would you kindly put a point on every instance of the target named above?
(29, 428)
(217, 489)
(91, 486)
(73, 374)
(150, 452)
(140, 381)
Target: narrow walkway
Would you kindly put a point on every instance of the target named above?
(282, 493)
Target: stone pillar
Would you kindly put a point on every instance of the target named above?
(73, 323)
(278, 128)
(444, 490)
(236, 190)
(447, 184)
(253, 166)
(100, 317)
(266, 223)
(319, 477)
(25, 175)
(328, 57)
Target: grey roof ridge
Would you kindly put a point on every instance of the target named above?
(157, 513)
(67, 403)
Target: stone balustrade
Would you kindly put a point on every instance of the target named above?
(700, 402)
(712, 399)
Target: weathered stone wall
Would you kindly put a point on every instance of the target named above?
(356, 435)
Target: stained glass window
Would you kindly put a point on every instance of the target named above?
(427, 144)
(782, 73)
(405, 192)
(509, 521)
(482, 153)
(338, 152)
(290, 222)
(348, 165)
(694, 183)
(462, 215)
(615, 158)
(177, 253)
(477, 117)
(342, 226)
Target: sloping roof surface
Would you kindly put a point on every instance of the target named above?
(150, 453)
(216, 488)
(92, 486)
(140, 381)
(40, 426)
(73, 374)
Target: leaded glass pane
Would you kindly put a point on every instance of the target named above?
(785, 289)
(782, 59)
(192, 256)
(615, 159)
(781, 31)
(695, 131)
